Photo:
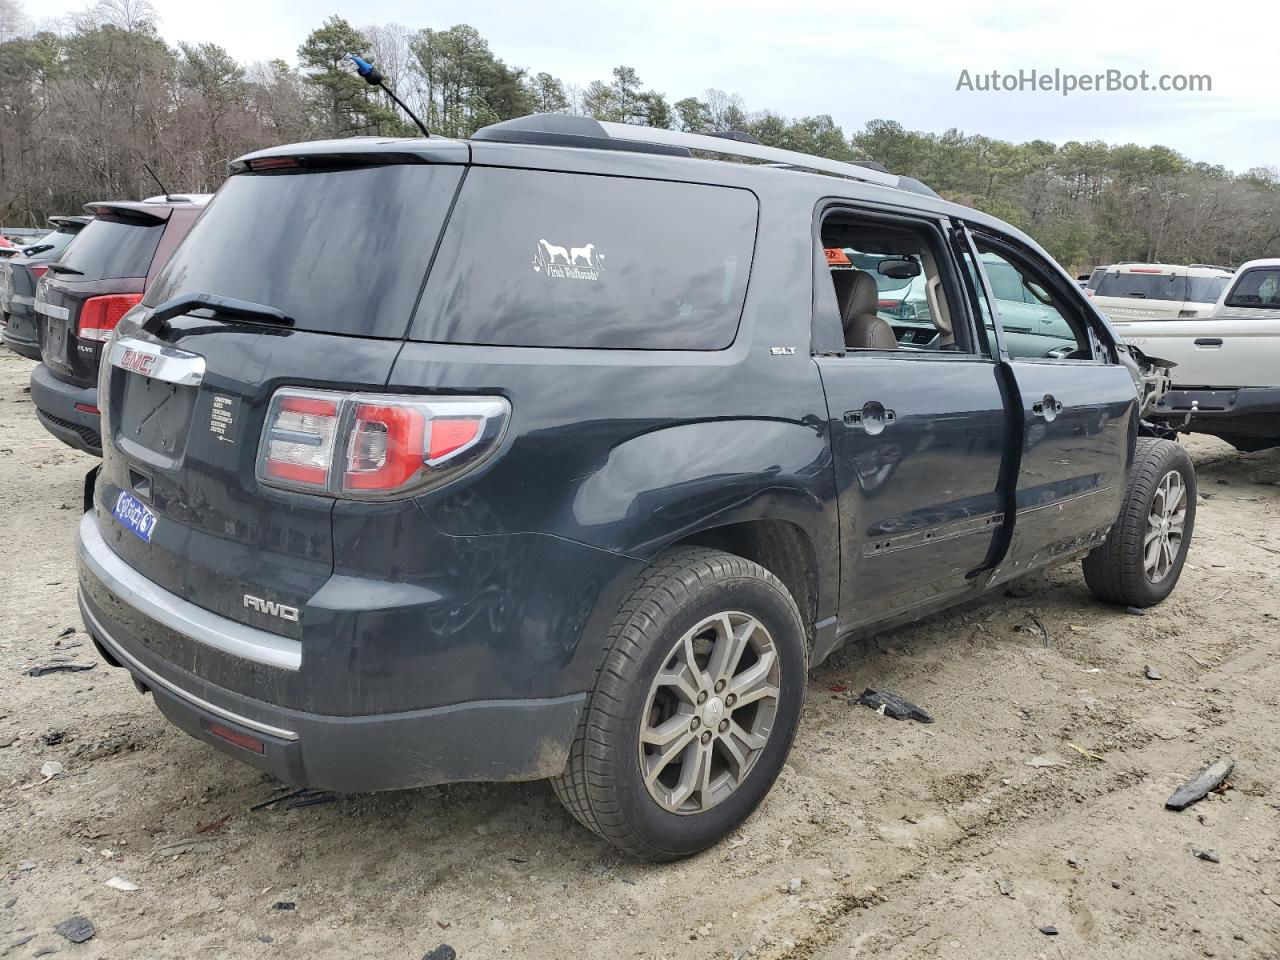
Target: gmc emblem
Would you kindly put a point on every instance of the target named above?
(271, 608)
(143, 363)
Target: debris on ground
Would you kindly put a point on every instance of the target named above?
(53, 738)
(1046, 760)
(1040, 629)
(120, 883)
(303, 797)
(1005, 888)
(1049, 930)
(189, 845)
(1135, 611)
(77, 929)
(1152, 673)
(60, 665)
(217, 824)
(283, 905)
(442, 952)
(1210, 855)
(50, 769)
(892, 705)
(1085, 753)
(1210, 778)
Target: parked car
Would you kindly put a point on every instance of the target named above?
(584, 462)
(1158, 291)
(82, 296)
(1091, 282)
(18, 277)
(1227, 379)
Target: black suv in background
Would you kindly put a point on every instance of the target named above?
(583, 461)
(18, 277)
(83, 295)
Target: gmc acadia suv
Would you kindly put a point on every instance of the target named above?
(594, 449)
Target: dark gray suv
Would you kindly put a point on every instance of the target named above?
(18, 278)
(571, 454)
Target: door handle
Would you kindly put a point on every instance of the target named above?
(872, 418)
(1208, 341)
(1049, 408)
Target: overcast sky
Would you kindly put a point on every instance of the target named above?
(854, 61)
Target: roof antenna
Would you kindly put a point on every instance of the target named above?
(147, 166)
(373, 76)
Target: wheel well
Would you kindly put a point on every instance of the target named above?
(782, 548)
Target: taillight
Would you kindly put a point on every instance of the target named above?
(367, 446)
(39, 270)
(99, 315)
(298, 445)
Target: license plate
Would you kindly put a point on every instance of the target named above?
(134, 515)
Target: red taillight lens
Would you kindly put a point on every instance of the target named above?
(299, 441)
(385, 447)
(371, 447)
(99, 315)
(39, 270)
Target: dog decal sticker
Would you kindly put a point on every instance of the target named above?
(567, 262)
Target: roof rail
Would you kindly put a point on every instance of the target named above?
(568, 131)
(1212, 266)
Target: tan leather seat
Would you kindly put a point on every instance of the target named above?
(857, 297)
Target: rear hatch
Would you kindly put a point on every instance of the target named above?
(1155, 293)
(339, 246)
(107, 264)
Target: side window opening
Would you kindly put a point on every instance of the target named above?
(888, 286)
(1038, 322)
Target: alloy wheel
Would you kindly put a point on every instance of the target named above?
(709, 712)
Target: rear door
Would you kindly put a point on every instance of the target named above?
(1237, 345)
(184, 408)
(1077, 415)
(918, 435)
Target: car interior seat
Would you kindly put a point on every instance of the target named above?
(857, 298)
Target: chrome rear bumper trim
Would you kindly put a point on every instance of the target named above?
(185, 617)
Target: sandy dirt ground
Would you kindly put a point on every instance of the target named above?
(882, 839)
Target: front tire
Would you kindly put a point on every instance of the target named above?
(1142, 558)
(694, 709)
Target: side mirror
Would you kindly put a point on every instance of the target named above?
(899, 268)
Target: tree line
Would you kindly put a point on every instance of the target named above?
(84, 104)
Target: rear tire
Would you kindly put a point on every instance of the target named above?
(1142, 558)
(668, 758)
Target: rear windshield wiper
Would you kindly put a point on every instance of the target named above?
(63, 268)
(224, 307)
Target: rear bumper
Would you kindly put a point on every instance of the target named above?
(1242, 411)
(501, 739)
(20, 334)
(55, 403)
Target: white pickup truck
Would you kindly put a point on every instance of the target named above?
(1227, 378)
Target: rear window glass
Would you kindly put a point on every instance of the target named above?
(107, 249)
(50, 245)
(1256, 288)
(1205, 289)
(339, 251)
(540, 259)
(1143, 286)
